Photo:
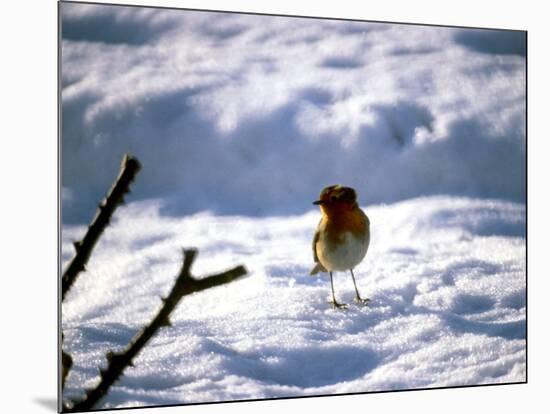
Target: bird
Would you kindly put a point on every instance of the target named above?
(342, 237)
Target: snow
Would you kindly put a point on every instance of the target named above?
(250, 115)
(445, 275)
(239, 121)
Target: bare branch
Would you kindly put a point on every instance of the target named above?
(117, 362)
(66, 363)
(128, 170)
(220, 279)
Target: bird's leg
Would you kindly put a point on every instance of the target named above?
(357, 296)
(334, 303)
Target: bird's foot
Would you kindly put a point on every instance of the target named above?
(337, 305)
(362, 301)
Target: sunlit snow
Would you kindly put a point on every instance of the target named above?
(239, 121)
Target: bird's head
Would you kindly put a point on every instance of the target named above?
(336, 198)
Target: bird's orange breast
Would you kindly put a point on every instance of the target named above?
(340, 222)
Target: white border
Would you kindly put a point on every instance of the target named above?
(29, 181)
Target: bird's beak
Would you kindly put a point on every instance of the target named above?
(318, 202)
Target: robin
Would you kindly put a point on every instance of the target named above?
(342, 237)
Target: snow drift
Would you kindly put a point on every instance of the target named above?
(239, 121)
(445, 275)
(244, 114)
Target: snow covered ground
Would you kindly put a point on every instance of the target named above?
(249, 115)
(445, 275)
(239, 121)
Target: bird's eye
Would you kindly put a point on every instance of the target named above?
(333, 198)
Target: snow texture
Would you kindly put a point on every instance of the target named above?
(253, 115)
(445, 275)
(239, 122)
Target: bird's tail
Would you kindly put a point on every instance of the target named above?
(317, 268)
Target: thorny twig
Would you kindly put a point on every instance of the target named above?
(117, 362)
(128, 170)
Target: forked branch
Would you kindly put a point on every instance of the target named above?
(117, 362)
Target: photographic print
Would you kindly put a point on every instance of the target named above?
(265, 206)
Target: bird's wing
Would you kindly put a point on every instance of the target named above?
(318, 266)
(314, 245)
